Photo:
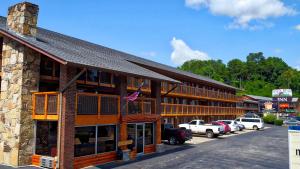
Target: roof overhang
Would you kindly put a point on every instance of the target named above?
(35, 48)
(15, 37)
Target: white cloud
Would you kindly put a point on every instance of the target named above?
(182, 52)
(244, 12)
(297, 27)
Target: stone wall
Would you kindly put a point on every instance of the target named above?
(20, 77)
(22, 18)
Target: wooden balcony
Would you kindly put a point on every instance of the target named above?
(134, 83)
(194, 92)
(92, 109)
(45, 105)
(197, 110)
(143, 109)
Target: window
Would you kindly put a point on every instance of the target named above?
(92, 76)
(46, 67)
(148, 133)
(88, 140)
(106, 139)
(193, 122)
(105, 77)
(227, 122)
(131, 135)
(83, 76)
(146, 83)
(46, 138)
(85, 141)
(49, 67)
(251, 120)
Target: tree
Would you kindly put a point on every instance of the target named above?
(214, 69)
(258, 75)
(237, 72)
(272, 68)
(254, 65)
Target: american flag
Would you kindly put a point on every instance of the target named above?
(135, 94)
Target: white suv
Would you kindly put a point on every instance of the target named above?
(251, 123)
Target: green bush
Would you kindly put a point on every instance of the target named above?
(278, 122)
(269, 119)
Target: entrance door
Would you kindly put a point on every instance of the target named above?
(140, 138)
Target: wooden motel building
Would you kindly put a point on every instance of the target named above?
(64, 100)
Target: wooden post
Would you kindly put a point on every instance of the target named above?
(156, 94)
(121, 86)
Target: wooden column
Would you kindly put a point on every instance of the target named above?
(67, 131)
(122, 90)
(156, 94)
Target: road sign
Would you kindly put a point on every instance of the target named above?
(294, 147)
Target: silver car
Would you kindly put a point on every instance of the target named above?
(291, 122)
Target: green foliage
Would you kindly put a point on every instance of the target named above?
(278, 122)
(258, 75)
(269, 119)
(214, 69)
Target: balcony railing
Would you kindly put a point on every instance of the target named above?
(134, 83)
(97, 109)
(45, 105)
(97, 104)
(142, 106)
(189, 91)
(182, 109)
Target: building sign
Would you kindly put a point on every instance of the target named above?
(268, 106)
(282, 93)
(284, 105)
(294, 147)
(282, 99)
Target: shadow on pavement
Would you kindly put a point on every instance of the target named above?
(145, 157)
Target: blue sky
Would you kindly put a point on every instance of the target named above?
(157, 29)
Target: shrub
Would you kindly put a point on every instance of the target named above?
(278, 122)
(269, 119)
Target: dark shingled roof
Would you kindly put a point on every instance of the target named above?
(84, 53)
(260, 98)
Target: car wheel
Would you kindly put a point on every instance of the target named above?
(172, 141)
(182, 142)
(255, 128)
(209, 134)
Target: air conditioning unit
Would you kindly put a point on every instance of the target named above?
(47, 162)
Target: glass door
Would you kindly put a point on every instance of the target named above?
(140, 138)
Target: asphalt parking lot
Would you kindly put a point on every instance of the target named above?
(266, 149)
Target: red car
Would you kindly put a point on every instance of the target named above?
(225, 125)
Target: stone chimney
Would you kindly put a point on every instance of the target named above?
(22, 18)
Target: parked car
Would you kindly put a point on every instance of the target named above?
(232, 124)
(251, 123)
(241, 127)
(225, 126)
(291, 122)
(175, 135)
(199, 127)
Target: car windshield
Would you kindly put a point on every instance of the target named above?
(193, 122)
(227, 122)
